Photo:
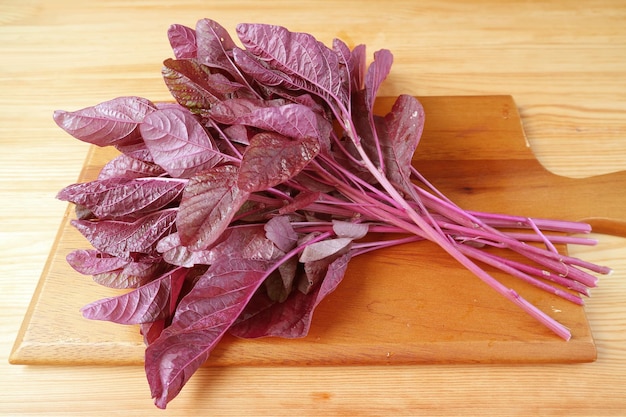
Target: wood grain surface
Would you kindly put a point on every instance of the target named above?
(564, 63)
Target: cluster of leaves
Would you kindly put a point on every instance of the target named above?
(238, 208)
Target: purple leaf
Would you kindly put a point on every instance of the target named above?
(280, 283)
(202, 318)
(183, 41)
(349, 229)
(128, 167)
(302, 200)
(210, 201)
(231, 110)
(133, 275)
(357, 67)
(271, 159)
(279, 231)
(324, 248)
(307, 62)
(292, 120)
(291, 318)
(179, 143)
(145, 304)
(404, 125)
(376, 74)
(92, 262)
(244, 242)
(215, 46)
(121, 239)
(175, 253)
(112, 122)
(193, 86)
(151, 331)
(121, 197)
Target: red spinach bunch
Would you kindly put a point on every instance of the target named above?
(238, 208)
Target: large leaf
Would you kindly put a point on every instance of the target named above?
(120, 238)
(271, 159)
(404, 125)
(230, 111)
(112, 122)
(307, 62)
(292, 120)
(92, 262)
(145, 304)
(179, 143)
(215, 48)
(210, 201)
(183, 41)
(122, 197)
(202, 318)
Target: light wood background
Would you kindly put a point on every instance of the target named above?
(563, 62)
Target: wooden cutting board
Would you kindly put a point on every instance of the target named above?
(404, 305)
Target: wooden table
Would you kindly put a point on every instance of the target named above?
(563, 62)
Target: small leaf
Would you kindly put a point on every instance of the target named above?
(271, 159)
(322, 249)
(179, 143)
(175, 253)
(376, 74)
(301, 201)
(112, 122)
(280, 232)
(349, 229)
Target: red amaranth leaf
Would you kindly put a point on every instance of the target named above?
(126, 166)
(291, 318)
(92, 262)
(271, 159)
(202, 318)
(145, 304)
(179, 143)
(404, 125)
(133, 275)
(210, 201)
(112, 122)
(183, 41)
(307, 62)
(122, 239)
(121, 198)
(193, 86)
